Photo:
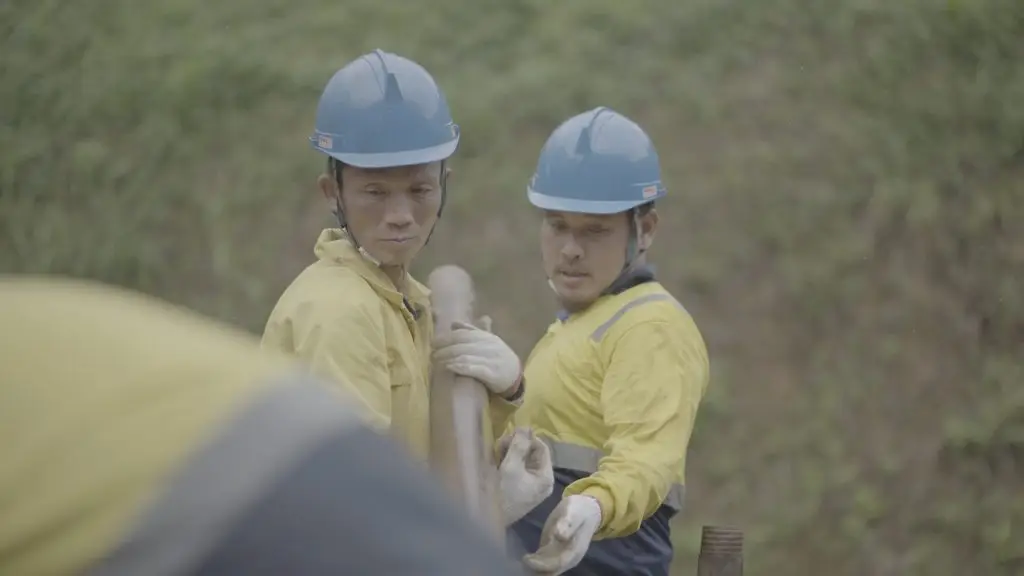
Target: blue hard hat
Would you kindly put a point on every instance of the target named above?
(382, 110)
(597, 162)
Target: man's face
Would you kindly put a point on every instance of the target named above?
(584, 253)
(389, 211)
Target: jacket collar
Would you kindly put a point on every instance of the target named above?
(334, 246)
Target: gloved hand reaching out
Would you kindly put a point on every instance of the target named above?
(476, 353)
(566, 535)
(525, 472)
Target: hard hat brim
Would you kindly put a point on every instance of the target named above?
(396, 159)
(558, 204)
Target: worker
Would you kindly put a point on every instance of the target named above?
(355, 315)
(142, 439)
(616, 381)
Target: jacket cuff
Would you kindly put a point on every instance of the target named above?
(520, 388)
(604, 499)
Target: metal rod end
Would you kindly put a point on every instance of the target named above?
(721, 540)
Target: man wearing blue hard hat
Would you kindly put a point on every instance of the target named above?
(616, 381)
(356, 315)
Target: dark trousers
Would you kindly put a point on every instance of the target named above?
(647, 552)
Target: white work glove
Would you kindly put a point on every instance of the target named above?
(526, 475)
(476, 353)
(566, 535)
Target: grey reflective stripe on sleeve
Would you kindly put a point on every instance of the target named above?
(244, 459)
(586, 459)
(600, 331)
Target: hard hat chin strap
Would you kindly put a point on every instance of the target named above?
(334, 167)
(633, 252)
(444, 198)
(339, 213)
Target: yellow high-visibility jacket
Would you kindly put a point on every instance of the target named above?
(344, 317)
(86, 375)
(614, 389)
(141, 439)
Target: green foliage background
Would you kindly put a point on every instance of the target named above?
(846, 217)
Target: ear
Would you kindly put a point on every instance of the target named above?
(327, 186)
(648, 226)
